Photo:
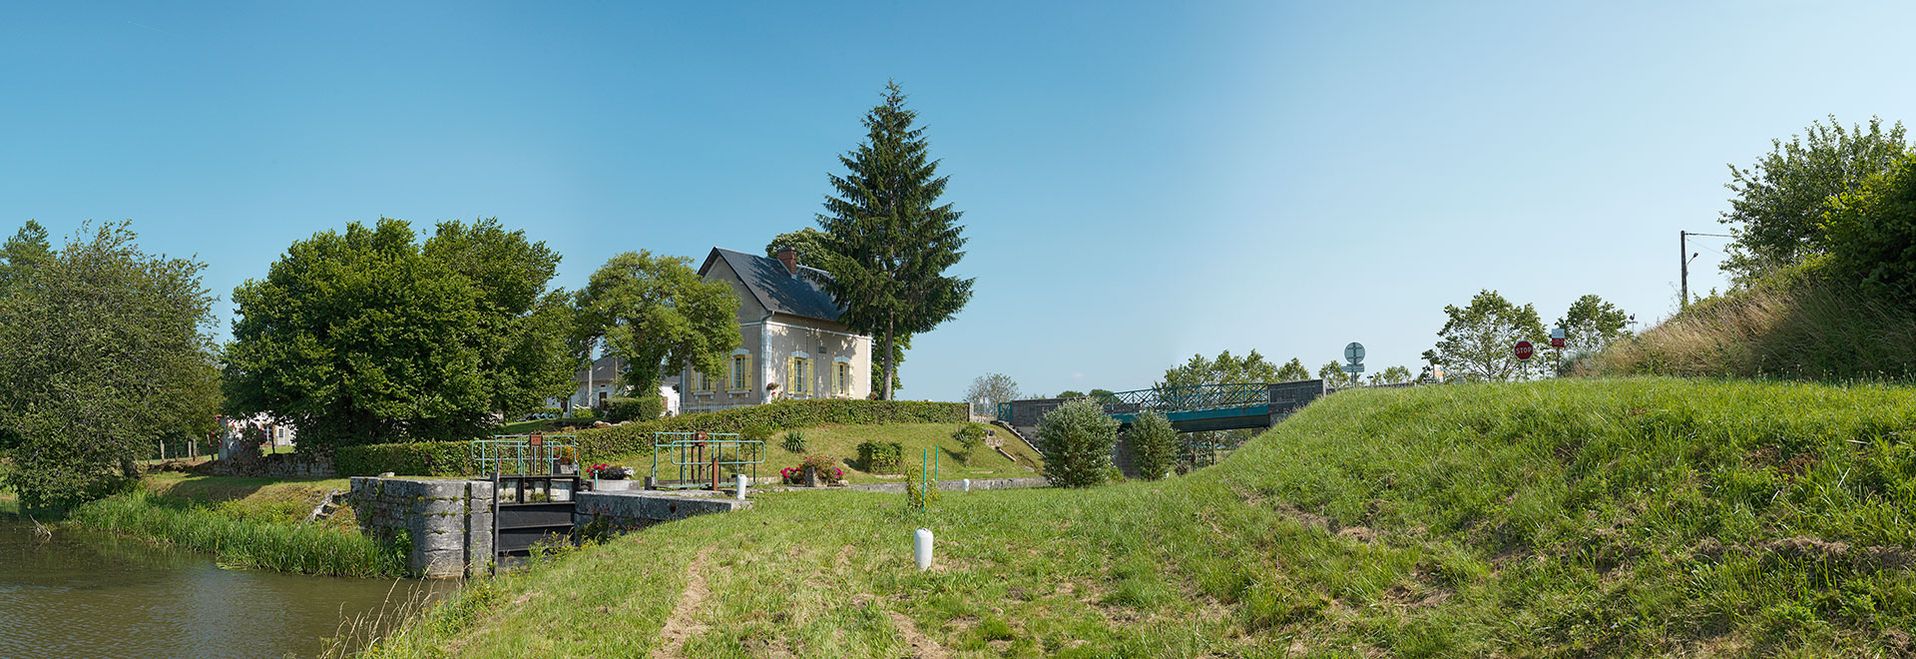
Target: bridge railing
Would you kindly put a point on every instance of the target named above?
(1189, 398)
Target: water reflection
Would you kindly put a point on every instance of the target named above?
(82, 594)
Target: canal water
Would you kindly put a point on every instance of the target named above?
(83, 594)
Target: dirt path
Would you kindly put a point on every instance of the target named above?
(681, 627)
(921, 645)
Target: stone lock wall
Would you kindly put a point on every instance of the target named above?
(627, 510)
(449, 522)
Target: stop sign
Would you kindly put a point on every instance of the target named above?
(1524, 350)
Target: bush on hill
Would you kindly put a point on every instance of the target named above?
(1077, 438)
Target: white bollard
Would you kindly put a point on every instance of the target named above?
(740, 479)
(967, 485)
(921, 546)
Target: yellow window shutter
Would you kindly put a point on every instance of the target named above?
(748, 373)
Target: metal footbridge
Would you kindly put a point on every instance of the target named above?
(1190, 408)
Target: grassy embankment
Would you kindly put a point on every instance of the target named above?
(1570, 517)
(256, 523)
(841, 442)
(1797, 324)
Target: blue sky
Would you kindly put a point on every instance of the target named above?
(1141, 181)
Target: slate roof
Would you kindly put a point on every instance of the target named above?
(778, 290)
(605, 370)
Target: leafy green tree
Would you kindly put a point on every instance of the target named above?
(1590, 325)
(1225, 369)
(655, 312)
(1292, 371)
(1333, 374)
(523, 325)
(1872, 232)
(107, 355)
(809, 242)
(888, 240)
(1779, 202)
(1154, 445)
(988, 390)
(1103, 396)
(1392, 375)
(1076, 438)
(368, 336)
(23, 254)
(1070, 393)
(1477, 340)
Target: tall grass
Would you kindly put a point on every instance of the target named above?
(1573, 517)
(241, 542)
(1802, 328)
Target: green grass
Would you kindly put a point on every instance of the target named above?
(1644, 516)
(239, 542)
(841, 442)
(270, 500)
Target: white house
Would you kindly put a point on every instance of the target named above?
(794, 346)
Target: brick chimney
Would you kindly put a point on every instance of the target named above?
(789, 257)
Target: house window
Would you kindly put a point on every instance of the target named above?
(703, 382)
(842, 377)
(800, 374)
(741, 372)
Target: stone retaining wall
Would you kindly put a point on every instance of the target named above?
(448, 522)
(626, 510)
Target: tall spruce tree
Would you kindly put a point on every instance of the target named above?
(888, 239)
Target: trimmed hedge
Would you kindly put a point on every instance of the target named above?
(408, 459)
(597, 444)
(880, 457)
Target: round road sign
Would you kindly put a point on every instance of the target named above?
(1354, 353)
(1524, 350)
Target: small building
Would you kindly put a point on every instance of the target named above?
(593, 385)
(794, 345)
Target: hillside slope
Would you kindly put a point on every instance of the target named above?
(1578, 516)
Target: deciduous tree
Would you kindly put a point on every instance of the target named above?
(1590, 325)
(888, 239)
(1392, 375)
(368, 336)
(1292, 371)
(1477, 340)
(1779, 202)
(990, 389)
(655, 312)
(107, 355)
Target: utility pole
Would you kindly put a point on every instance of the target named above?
(1684, 257)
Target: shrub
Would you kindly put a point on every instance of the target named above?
(582, 413)
(969, 436)
(794, 442)
(1076, 439)
(642, 408)
(1154, 445)
(826, 466)
(1870, 231)
(919, 493)
(881, 457)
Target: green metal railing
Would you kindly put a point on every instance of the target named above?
(1190, 398)
(528, 455)
(700, 456)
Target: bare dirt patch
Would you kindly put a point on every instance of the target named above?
(681, 626)
(921, 645)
